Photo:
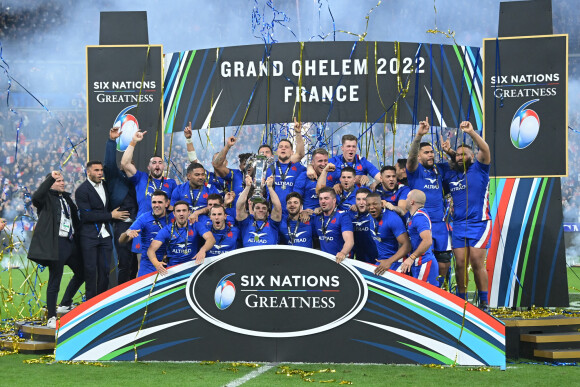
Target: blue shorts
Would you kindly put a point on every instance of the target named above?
(472, 233)
(426, 269)
(440, 233)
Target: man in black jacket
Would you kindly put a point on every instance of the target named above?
(122, 194)
(96, 242)
(54, 242)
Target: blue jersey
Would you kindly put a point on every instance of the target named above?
(295, 232)
(361, 166)
(259, 232)
(307, 189)
(330, 228)
(346, 199)
(385, 231)
(181, 242)
(399, 193)
(416, 224)
(364, 247)
(150, 225)
(145, 185)
(206, 221)
(285, 177)
(430, 181)
(469, 192)
(217, 182)
(225, 240)
(197, 198)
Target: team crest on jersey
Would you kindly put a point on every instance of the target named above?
(333, 221)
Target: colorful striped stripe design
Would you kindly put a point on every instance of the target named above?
(476, 339)
(465, 101)
(428, 324)
(519, 208)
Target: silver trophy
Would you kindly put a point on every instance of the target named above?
(258, 167)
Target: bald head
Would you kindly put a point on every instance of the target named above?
(415, 199)
(418, 196)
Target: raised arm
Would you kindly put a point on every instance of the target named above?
(126, 161)
(241, 213)
(110, 164)
(321, 182)
(218, 163)
(484, 154)
(40, 194)
(446, 147)
(299, 155)
(191, 155)
(412, 159)
(276, 214)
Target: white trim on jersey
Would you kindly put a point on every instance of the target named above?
(484, 236)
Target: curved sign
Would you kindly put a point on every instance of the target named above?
(278, 292)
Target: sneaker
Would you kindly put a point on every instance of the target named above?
(51, 323)
(64, 309)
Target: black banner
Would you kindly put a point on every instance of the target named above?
(281, 303)
(341, 82)
(526, 105)
(124, 89)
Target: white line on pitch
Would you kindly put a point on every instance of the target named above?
(251, 375)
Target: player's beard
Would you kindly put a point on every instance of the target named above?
(463, 166)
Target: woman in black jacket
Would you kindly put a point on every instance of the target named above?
(54, 241)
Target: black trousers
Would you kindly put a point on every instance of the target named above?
(96, 258)
(68, 254)
(126, 259)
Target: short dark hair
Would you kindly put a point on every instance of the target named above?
(363, 190)
(388, 168)
(93, 162)
(193, 166)
(220, 206)
(215, 196)
(327, 189)
(348, 169)
(288, 141)
(180, 202)
(349, 137)
(402, 163)
(243, 157)
(374, 195)
(265, 146)
(424, 144)
(294, 195)
(465, 146)
(319, 151)
(159, 192)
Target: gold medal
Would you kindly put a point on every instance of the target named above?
(379, 239)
